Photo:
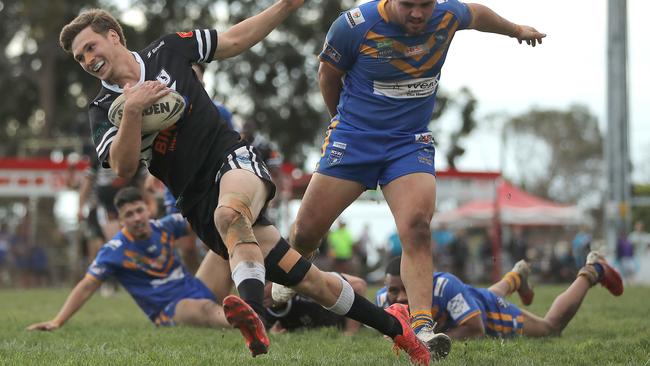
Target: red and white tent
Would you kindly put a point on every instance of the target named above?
(515, 207)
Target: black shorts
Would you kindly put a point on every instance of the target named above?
(201, 216)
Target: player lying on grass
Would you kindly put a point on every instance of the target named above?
(463, 311)
(301, 312)
(143, 259)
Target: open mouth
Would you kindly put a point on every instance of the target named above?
(98, 66)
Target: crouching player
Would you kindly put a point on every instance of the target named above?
(463, 311)
(143, 259)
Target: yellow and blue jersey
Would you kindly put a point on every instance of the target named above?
(150, 270)
(454, 303)
(391, 78)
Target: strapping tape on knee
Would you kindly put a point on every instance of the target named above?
(240, 230)
(346, 298)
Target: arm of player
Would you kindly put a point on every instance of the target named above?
(485, 19)
(84, 192)
(470, 328)
(245, 34)
(77, 298)
(124, 156)
(330, 80)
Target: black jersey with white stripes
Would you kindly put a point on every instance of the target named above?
(186, 156)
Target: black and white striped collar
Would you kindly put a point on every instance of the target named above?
(116, 88)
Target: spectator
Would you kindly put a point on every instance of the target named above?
(459, 254)
(394, 245)
(625, 257)
(361, 249)
(640, 240)
(580, 246)
(341, 248)
(518, 245)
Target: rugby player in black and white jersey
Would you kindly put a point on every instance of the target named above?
(221, 184)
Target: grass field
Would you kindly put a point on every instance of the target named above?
(113, 331)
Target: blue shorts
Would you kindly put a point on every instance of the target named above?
(196, 289)
(501, 318)
(375, 157)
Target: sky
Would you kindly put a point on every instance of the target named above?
(569, 67)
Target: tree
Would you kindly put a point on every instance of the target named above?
(275, 83)
(468, 105)
(47, 97)
(558, 154)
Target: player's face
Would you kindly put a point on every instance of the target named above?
(395, 290)
(93, 51)
(412, 15)
(134, 216)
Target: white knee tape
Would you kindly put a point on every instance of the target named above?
(345, 300)
(246, 270)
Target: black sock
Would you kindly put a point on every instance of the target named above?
(251, 290)
(367, 313)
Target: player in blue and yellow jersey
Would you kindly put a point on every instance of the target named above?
(143, 259)
(221, 184)
(463, 311)
(379, 73)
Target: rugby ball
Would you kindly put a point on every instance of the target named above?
(163, 113)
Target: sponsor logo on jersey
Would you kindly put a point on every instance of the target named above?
(113, 244)
(176, 274)
(335, 157)
(409, 88)
(331, 52)
(155, 49)
(340, 145)
(103, 99)
(425, 138)
(97, 269)
(354, 17)
(385, 50)
(164, 77)
(165, 140)
(457, 306)
(441, 36)
(185, 34)
(502, 302)
(441, 1)
(416, 50)
(439, 288)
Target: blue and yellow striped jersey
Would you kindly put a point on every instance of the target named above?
(391, 78)
(150, 270)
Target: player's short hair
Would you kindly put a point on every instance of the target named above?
(127, 195)
(393, 267)
(99, 20)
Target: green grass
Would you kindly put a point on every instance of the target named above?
(606, 331)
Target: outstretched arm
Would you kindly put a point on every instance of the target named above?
(79, 295)
(247, 33)
(485, 19)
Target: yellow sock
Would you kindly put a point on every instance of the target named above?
(420, 319)
(513, 280)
